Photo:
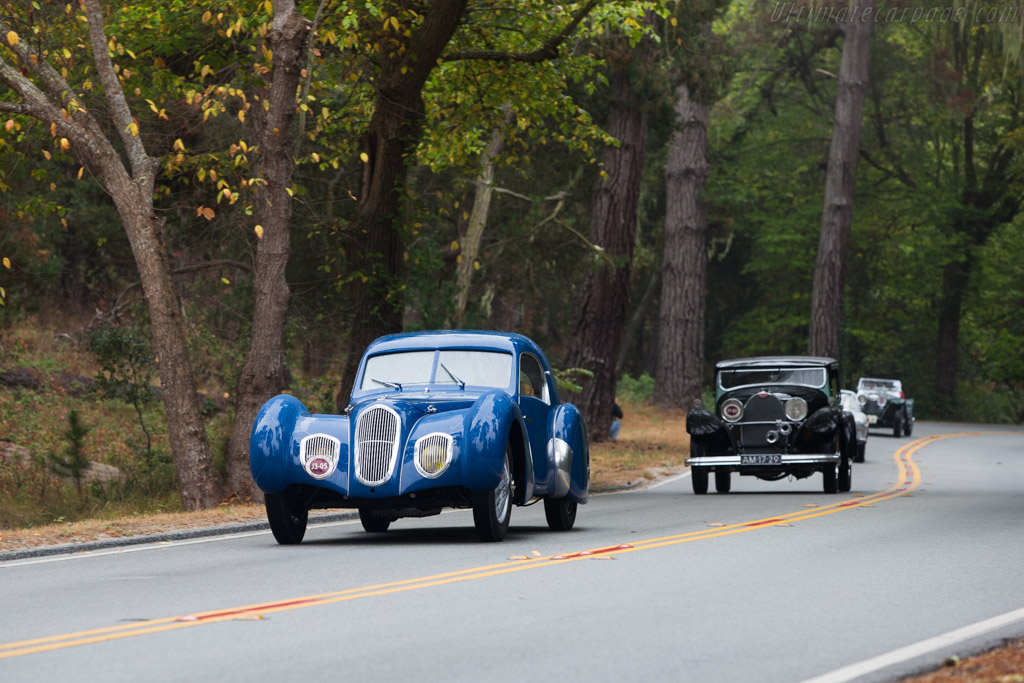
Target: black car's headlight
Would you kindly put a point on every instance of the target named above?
(796, 409)
(731, 410)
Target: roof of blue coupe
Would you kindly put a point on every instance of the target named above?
(454, 339)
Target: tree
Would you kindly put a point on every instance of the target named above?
(680, 377)
(841, 177)
(601, 301)
(112, 150)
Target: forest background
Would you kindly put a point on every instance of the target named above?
(226, 200)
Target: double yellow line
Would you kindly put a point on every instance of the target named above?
(909, 479)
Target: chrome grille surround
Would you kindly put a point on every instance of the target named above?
(433, 454)
(319, 447)
(377, 436)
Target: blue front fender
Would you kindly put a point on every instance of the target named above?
(488, 424)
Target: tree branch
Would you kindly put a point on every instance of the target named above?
(549, 50)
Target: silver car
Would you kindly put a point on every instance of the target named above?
(850, 404)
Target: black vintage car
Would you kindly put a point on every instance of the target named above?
(886, 405)
(774, 417)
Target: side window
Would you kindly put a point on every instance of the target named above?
(531, 378)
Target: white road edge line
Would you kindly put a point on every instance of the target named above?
(903, 654)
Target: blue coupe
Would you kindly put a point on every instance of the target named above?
(457, 419)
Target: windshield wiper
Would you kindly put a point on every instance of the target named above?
(394, 385)
(462, 385)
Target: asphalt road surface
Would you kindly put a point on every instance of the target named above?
(775, 581)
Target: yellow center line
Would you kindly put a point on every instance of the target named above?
(909, 479)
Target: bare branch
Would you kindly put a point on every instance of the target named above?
(549, 50)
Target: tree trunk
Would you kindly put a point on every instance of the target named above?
(601, 305)
(263, 372)
(483, 190)
(679, 377)
(830, 268)
(389, 142)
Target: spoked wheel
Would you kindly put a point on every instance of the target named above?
(699, 479)
(560, 512)
(723, 481)
(493, 510)
(287, 517)
(371, 522)
(830, 477)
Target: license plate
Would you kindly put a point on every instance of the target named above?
(761, 459)
(872, 419)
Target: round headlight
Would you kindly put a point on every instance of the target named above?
(881, 401)
(862, 400)
(731, 410)
(796, 409)
(433, 454)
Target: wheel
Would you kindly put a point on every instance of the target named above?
(897, 428)
(908, 427)
(560, 512)
(493, 510)
(723, 480)
(830, 476)
(845, 474)
(287, 517)
(372, 523)
(860, 451)
(699, 478)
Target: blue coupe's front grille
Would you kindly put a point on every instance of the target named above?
(376, 445)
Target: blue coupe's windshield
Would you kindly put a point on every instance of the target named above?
(455, 367)
(746, 377)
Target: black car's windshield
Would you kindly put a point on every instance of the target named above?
(454, 366)
(745, 377)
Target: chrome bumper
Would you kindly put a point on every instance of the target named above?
(786, 459)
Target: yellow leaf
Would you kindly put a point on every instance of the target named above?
(12, 38)
(53, 130)
(259, 231)
(364, 157)
(133, 128)
(673, 21)
(241, 115)
(290, 191)
(47, 155)
(476, 265)
(225, 281)
(227, 193)
(179, 146)
(9, 124)
(81, 170)
(64, 144)
(7, 263)
(207, 15)
(316, 157)
(66, 52)
(455, 245)
(394, 22)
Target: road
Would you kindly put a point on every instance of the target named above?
(775, 581)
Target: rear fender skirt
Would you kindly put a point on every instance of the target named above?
(572, 471)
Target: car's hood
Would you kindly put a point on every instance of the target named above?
(421, 402)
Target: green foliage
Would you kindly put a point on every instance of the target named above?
(126, 368)
(73, 462)
(568, 379)
(637, 391)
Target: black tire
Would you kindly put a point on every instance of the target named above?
(897, 427)
(845, 482)
(830, 477)
(287, 517)
(699, 479)
(723, 481)
(371, 523)
(861, 447)
(560, 513)
(908, 427)
(493, 510)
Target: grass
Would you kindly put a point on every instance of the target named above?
(652, 442)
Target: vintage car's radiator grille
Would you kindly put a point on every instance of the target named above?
(761, 408)
(376, 445)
